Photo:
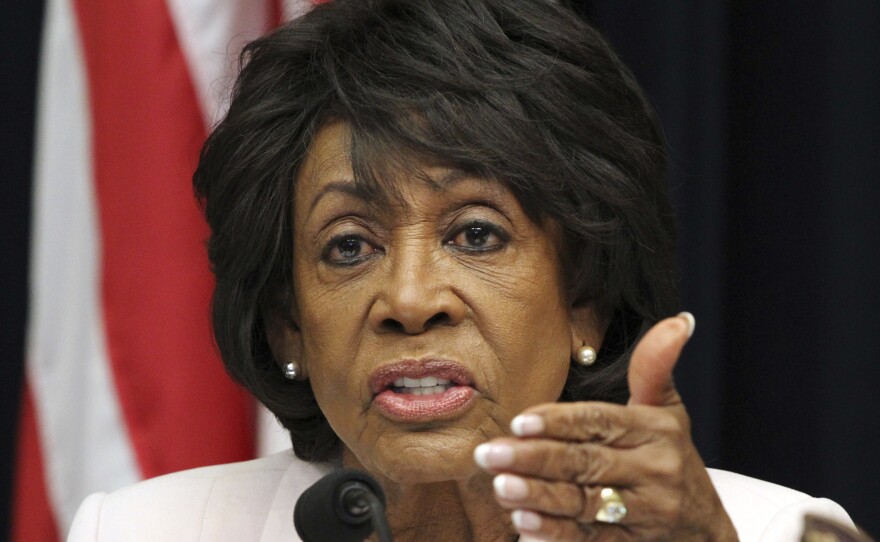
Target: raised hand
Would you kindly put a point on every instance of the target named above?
(553, 473)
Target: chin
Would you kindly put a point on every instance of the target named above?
(429, 472)
(422, 459)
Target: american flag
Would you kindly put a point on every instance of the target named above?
(123, 381)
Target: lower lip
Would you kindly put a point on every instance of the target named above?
(406, 407)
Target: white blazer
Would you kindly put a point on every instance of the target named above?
(254, 500)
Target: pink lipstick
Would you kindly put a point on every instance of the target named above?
(422, 390)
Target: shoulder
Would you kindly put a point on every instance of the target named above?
(762, 511)
(236, 501)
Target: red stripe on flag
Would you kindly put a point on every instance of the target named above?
(180, 407)
(32, 516)
(276, 13)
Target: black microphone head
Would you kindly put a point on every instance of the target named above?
(331, 511)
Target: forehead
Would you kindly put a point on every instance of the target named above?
(327, 157)
(327, 167)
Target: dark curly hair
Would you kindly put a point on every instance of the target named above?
(522, 91)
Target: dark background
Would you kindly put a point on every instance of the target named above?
(772, 111)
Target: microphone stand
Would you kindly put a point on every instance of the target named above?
(377, 516)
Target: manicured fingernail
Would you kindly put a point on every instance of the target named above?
(493, 456)
(525, 520)
(692, 322)
(526, 425)
(508, 486)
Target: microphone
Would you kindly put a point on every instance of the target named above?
(344, 506)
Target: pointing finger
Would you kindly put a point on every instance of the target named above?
(603, 423)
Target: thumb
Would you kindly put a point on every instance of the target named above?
(652, 362)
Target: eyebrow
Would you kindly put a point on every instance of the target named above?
(348, 187)
(351, 188)
(450, 178)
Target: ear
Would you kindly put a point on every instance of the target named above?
(282, 330)
(587, 328)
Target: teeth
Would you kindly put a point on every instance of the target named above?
(422, 386)
(427, 382)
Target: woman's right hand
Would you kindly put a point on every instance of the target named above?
(552, 474)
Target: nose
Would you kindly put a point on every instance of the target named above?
(417, 295)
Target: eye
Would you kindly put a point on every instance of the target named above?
(348, 249)
(479, 237)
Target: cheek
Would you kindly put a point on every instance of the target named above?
(529, 328)
(536, 360)
(330, 314)
(331, 321)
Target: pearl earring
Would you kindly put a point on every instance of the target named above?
(291, 370)
(586, 356)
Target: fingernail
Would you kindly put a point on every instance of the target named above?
(530, 538)
(508, 486)
(691, 321)
(525, 520)
(493, 456)
(526, 425)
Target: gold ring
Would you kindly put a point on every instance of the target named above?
(613, 509)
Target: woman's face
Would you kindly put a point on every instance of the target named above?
(427, 323)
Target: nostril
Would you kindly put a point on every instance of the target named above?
(441, 318)
(390, 324)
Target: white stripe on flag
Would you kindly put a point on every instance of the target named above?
(85, 444)
(295, 8)
(211, 34)
(272, 437)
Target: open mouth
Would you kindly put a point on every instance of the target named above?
(422, 390)
(420, 377)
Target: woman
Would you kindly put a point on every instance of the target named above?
(444, 255)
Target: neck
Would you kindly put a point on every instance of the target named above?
(456, 510)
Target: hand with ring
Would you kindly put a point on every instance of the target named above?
(599, 471)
